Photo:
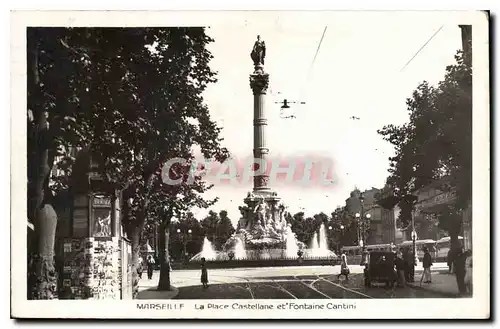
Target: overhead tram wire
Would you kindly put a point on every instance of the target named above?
(421, 48)
(311, 67)
(313, 61)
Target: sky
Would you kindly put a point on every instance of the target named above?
(357, 72)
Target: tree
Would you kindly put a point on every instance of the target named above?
(209, 225)
(167, 86)
(298, 224)
(436, 144)
(344, 230)
(187, 236)
(427, 227)
(131, 96)
(56, 120)
(304, 228)
(82, 100)
(176, 201)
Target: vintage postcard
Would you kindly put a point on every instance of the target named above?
(250, 165)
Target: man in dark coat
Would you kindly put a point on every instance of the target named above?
(400, 269)
(427, 263)
(449, 260)
(408, 265)
(459, 265)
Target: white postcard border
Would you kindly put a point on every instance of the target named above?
(476, 307)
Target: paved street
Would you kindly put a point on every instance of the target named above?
(303, 282)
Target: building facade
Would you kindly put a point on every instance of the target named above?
(432, 200)
(382, 223)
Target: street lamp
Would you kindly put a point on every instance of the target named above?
(341, 237)
(412, 200)
(361, 224)
(184, 239)
(414, 238)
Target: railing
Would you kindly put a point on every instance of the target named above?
(263, 262)
(264, 257)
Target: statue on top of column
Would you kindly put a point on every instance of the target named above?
(258, 52)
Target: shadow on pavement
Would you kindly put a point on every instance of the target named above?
(153, 293)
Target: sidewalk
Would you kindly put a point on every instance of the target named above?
(147, 288)
(442, 283)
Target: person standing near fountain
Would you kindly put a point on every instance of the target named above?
(344, 269)
(204, 273)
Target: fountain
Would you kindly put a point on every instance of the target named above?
(323, 242)
(319, 244)
(207, 250)
(262, 231)
(239, 249)
(291, 244)
(314, 245)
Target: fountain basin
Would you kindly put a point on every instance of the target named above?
(269, 255)
(259, 259)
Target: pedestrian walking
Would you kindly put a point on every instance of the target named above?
(407, 267)
(468, 272)
(344, 268)
(151, 266)
(204, 273)
(412, 262)
(459, 265)
(449, 260)
(400, 269)
(427, 263)
(140, 266)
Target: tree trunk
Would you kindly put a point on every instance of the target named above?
(454, 232)
(134, 236)
(164, 237)
(43, 262)
(42, 213)
(134, 230)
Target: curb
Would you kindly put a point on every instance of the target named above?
(152, 293)
(439, 292)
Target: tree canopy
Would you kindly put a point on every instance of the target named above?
(134, 98)
(436, 143)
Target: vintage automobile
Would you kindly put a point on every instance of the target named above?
(380, 268)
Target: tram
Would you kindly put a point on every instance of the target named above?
(438, 249)
(419, 246)
(443, 246)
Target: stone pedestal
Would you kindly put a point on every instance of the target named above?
(263, 223)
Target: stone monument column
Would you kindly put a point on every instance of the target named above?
(259, 82)
(259, 213)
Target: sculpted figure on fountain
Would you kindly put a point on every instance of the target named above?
(260, 211)
(273, 234)
(244, 221)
